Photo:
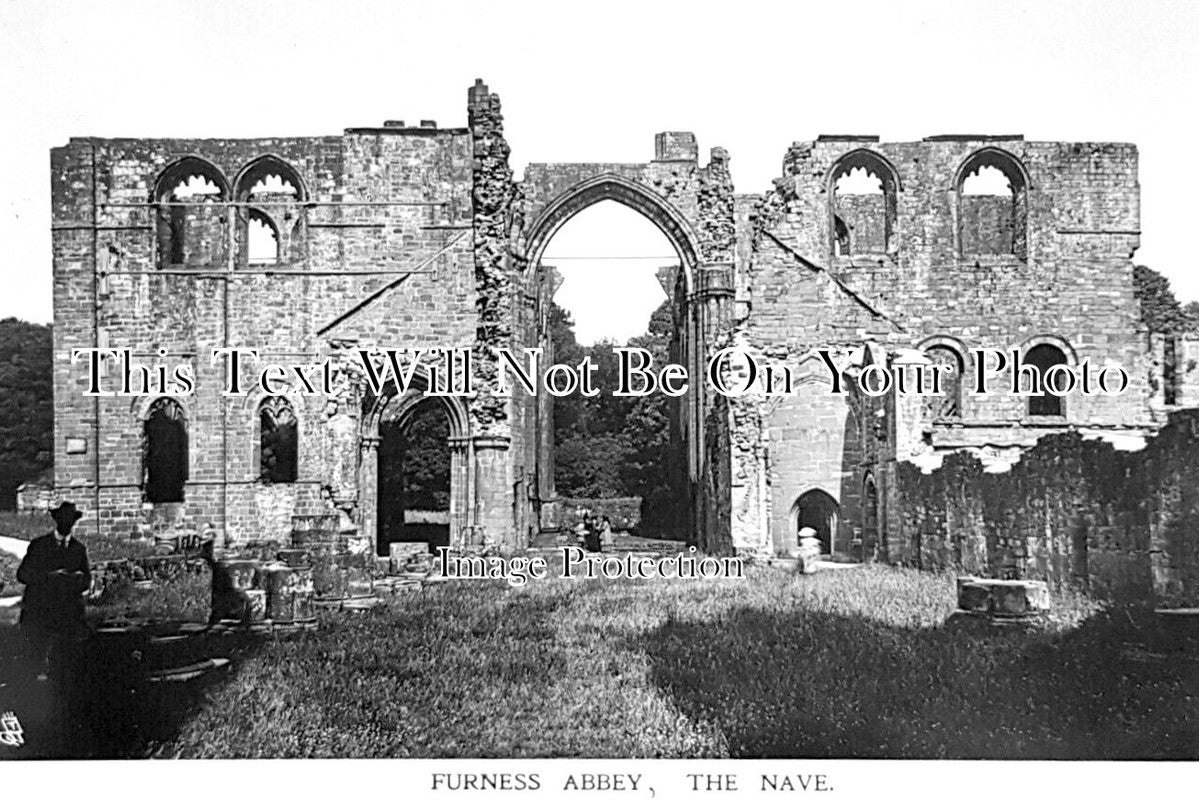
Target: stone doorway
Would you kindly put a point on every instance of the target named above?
(816, 509)
(414, 479)
(415, 471)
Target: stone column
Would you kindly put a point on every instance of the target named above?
(461, 491)
(493, 506)
(368, 488)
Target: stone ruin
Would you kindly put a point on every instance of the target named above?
(308, 248)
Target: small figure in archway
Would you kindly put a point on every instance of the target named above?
(56, 574)
(591, 541)
(607, 537)
(809, 550)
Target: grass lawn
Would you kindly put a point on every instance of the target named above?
(8, 574)
(855, 663)
(25, 526)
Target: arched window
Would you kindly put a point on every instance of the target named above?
(862, 187)
(1044, 357)
(278, 443)
(164, 452)
(269, 176)
(949, 403)
(992, 205)
(262, 238)
(189, 225)
(269, 224)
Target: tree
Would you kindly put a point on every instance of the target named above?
(1160, 310)
(1191, 310)
(426, 460)
(26, 404)
(609, 446)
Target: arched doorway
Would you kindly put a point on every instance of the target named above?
(414, 477)
(816, 509)
(1045, 357)
(432, 434)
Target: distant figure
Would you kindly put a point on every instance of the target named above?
(56, 574)
(581, 528)
(591, 535)
(607, 536)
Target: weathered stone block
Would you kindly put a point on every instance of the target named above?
(1003, 598)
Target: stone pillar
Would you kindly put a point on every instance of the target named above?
(494, 501)
(342, 431)
(491, 196)
(908, 425)
(368, 488)
(461, 491)
(343, 412)
(546, 488)
(710, 309)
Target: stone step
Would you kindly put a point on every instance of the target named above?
(555, 551)
(399, 584)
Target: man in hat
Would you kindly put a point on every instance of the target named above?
(56, 574)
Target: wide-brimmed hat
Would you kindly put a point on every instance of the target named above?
(66, 512)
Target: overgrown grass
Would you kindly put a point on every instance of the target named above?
(25, 526)
(856, 663)
(188, 597)
(8, 574)
(114, 548)
(99, 548)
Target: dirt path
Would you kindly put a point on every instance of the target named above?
(15, 546)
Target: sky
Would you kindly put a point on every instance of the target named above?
(608, 256)
(594, 82)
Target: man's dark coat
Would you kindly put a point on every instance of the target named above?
(54, 602)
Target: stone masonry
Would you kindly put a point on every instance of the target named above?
(420, 236)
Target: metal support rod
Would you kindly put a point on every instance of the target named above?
(321, 273)
(252, 204)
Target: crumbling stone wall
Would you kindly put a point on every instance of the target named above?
(1071, 511)
(407, 236)
(865, 220)
(988, 225)
(624, 513)
(1070, 284)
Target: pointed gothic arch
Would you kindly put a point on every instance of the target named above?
(263, 168)
(609, 186)
(992, 223)
(866, 227)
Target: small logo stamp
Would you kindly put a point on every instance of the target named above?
(11, 732)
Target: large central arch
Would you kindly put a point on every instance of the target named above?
(610, 186)
(678, 230)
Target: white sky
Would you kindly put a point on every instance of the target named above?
(594, 82)
(608, 256)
